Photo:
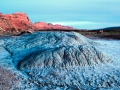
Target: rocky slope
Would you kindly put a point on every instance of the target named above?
(55, 60)
(14, 24)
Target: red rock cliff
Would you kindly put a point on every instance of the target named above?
(44, 25)
(16, 22)
(19, 22)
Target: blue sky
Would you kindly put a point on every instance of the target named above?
(83, 14)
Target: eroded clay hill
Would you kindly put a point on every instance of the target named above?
(56, 60)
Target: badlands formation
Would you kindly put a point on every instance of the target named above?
(51, 60)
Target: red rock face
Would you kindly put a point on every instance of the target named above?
(16, 22)
(44, 25)
(41, 25)
(19, 22)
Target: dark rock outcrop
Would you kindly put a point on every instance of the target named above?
(8, 80)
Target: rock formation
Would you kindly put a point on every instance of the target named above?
(14, 24)
(50, 26)
(56, 60)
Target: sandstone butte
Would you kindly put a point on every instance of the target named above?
(19, 22)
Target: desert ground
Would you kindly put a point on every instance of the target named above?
(59, 60)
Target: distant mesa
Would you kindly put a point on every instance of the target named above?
(13, 24)
(44, 25)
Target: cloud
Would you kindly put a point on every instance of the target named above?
(74, 22)
(87, 24)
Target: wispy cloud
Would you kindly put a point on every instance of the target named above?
(87, 24)
(73, 22)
